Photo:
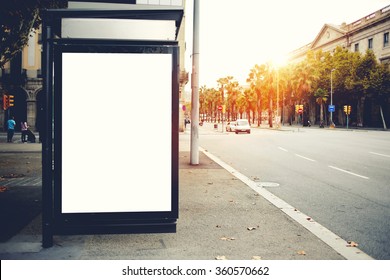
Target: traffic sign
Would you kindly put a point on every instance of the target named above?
(331, 108)
(220, 107)
(299, 108)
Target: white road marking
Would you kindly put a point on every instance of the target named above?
(330, 238)
(309, 159)
(382, 155)
(283, 149)
(348, 172)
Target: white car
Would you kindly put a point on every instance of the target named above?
(242, 125)
(230, 126)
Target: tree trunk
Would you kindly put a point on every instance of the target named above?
(258, 111)
(360, 111)
(270, 114)
(383, 119)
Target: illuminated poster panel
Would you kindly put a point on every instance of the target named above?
(116, 132)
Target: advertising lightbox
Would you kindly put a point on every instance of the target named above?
(115, 134)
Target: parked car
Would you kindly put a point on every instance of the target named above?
(230, 126)
(242, 125)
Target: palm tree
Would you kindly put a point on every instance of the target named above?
(255, 80)
(321, 98)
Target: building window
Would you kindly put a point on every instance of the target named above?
(370, 44)
(357, 47)
(386, 39)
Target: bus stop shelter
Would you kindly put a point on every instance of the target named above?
(110, 148)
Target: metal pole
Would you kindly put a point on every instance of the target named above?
(331, 96)
(46, 136)
(194, 154)
(277, 98)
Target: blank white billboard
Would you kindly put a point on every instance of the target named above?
(116, 132)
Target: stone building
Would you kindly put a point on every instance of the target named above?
(369, 32)
(22, 76)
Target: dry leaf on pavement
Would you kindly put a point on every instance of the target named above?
(227, 238)
(302, 253)
(352, 244)
(220, 258)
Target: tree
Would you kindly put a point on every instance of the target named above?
(18, 19)
(255, 80)
(321, 98)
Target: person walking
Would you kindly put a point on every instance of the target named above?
(10, 129)
(24, 128)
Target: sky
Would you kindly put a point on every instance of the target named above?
(237, 34)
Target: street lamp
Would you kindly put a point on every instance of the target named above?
(331, 96)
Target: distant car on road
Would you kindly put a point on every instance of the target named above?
(230, 126)
(242, 125)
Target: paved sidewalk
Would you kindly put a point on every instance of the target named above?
(219, 217)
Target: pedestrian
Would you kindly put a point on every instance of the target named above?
(24, 128)
(10, 129)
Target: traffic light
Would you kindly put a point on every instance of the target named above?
(5, 102)
(347, 109)
(10, 101)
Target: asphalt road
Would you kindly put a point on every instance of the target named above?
(340, 178)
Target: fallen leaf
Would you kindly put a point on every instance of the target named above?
(227, 238)
(218, 226)
(210, 183)
(302, 253)
(352, 244)
(256, 258)
(250, 228)
(220, 258)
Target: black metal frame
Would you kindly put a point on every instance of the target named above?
(54, 221)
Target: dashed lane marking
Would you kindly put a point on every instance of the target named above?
(309, 159)
(349, 172)
(382, 155)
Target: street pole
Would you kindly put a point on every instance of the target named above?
(331, 96)
(277, 98)
(194, 154)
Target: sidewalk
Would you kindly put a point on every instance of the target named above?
(219, 217)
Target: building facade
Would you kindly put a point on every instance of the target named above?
(370, 32)
(22, 76)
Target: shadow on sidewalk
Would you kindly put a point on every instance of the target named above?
(18, 207)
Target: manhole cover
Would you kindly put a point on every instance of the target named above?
(268, 185)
